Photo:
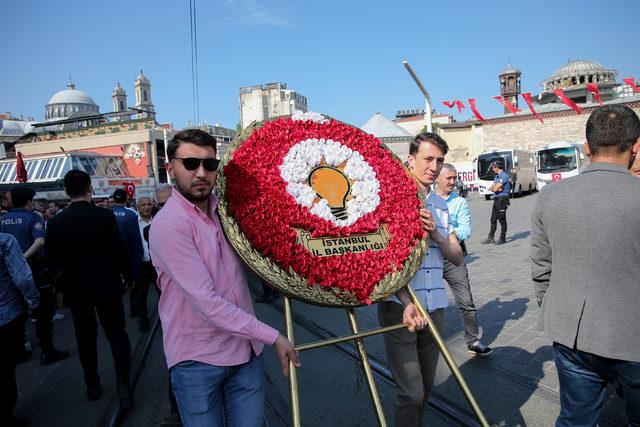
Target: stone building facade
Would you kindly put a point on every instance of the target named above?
(526, 131)
(262, 102)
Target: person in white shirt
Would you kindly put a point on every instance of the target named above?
(138, 301)
(413, 357)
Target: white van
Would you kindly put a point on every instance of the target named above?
(558, 161)
(519, 164)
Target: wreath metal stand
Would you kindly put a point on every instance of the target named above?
(357, 336)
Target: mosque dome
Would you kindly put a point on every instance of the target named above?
(579, 72)
(70, 101)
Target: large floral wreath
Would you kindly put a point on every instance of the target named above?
(270, 189)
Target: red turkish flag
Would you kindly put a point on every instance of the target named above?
(449, 104)
(21, 170)
(472, 105)
(130, 188)
(555, 177)
(529, 101)
(593, 88)
(507, 104)
(570, 103)
(631, 81)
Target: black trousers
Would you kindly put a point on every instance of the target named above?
(111, 314)
(12, 339)
(47, 307)
(138, 296)
(499, 213)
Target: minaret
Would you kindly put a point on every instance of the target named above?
(510, 85)
(119, 97)
(143, 95)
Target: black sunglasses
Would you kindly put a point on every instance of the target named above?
(192, 163)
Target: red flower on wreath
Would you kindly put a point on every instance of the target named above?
(269, 215)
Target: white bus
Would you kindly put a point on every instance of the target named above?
(519, 165)
(558, 161)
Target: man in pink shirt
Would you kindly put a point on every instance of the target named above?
(212, 340)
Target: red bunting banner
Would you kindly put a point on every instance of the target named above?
(569, 102)
(456, 103)
(631, 81)
(593, 88)
(472, 105)
(507, 104)
(529, 101)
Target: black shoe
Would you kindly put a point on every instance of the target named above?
(501, 241)
(94, 391)
(53, 356)
(143, 325)
(488, 240)
(172, 420)
(125, 396)
(478, 348)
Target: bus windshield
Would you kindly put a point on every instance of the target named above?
(557, 160)
(484, 164)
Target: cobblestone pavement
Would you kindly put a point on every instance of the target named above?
(503, 294)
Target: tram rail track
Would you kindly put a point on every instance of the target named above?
(450, 410)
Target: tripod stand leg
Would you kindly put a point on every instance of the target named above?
(293, 374)
(373, 391)
(455, 371)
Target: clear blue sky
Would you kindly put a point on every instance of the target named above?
(344, 56)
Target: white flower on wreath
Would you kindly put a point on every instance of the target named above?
(311, 115)
(306, 155)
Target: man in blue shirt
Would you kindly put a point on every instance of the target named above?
(16, 286)
(127, 221)
(501, 188)
(28, 229)
(457, 276)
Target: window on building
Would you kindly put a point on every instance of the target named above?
(145, 97)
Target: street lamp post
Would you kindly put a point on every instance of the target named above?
(427, 98)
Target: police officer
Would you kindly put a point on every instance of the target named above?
(127, 221)
(501, 188)
(28, 229)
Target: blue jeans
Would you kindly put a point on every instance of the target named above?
(583, 381)
(210, 395)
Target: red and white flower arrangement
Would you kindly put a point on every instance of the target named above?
(269, 195)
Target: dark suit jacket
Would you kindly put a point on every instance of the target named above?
(83, 244)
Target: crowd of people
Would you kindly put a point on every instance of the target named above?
(584, 251)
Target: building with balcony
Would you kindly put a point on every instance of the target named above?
(262, 102)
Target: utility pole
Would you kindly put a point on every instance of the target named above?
(427, 98)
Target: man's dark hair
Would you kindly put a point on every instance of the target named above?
(498, 163)
(77, 183)
(21, 195)
(433, 138)
(192, 136)
(612, 127)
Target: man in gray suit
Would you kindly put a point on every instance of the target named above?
(585, 248)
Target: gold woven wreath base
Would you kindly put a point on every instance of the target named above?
(291, 283)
